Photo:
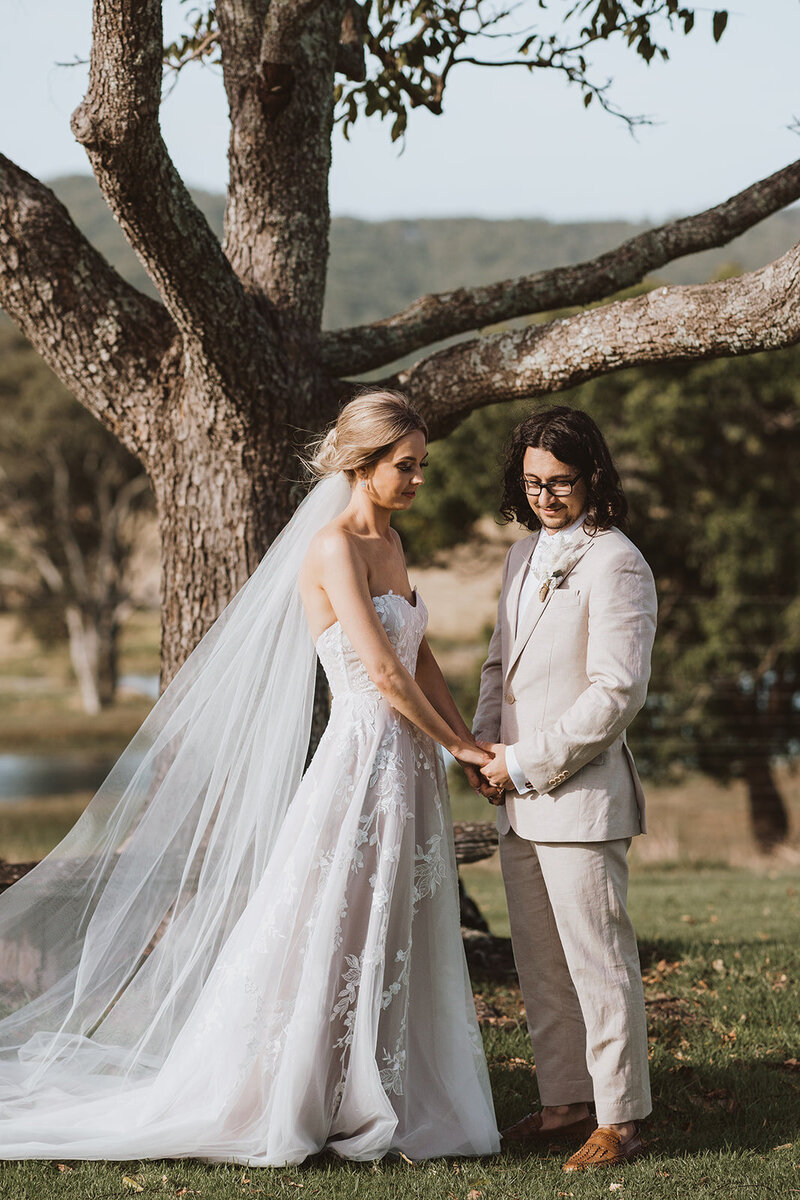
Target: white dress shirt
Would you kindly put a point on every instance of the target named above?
(547, 545)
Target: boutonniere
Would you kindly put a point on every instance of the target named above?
(550, 574)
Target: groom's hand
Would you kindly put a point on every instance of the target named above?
(496, 771)
(479, 785)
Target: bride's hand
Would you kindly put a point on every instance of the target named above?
(470, 754)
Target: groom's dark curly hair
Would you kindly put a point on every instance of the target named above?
(572, 437)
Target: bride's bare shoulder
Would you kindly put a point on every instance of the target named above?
(334, 546)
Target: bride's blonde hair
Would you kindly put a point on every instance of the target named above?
(367, 429)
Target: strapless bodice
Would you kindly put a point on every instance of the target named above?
(405, 626)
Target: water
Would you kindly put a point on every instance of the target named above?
(23, 776)
(26, 776)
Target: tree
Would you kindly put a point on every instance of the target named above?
(709, 457)
(208, 386)
(69, 493)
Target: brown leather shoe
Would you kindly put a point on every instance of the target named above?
(529, 1129)
(605, 1148)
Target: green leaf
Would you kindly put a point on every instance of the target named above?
(719, 23)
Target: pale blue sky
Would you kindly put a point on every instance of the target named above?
(509, 144)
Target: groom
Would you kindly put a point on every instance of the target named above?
(566, 674)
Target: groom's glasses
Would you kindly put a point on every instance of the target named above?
(559, 487)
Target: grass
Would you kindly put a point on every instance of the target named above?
(721, 963)
(30, 829)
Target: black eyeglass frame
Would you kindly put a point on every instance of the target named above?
(569, 484)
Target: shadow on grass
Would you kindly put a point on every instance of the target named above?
(741, 1105)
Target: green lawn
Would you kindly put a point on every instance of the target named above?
(721, 965)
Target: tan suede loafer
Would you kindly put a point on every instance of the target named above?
(529, 1129)
(605, 1148)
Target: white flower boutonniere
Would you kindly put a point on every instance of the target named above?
(551, 571)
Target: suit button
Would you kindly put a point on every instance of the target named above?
(510, 698)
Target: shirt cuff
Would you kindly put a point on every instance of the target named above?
(516, 774)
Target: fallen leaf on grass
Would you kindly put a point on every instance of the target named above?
(474, 1195)
(64, 1167)
(614, 1187)
(133, 1184)
(519, 1064)
(405, 1159)
(785, 1146)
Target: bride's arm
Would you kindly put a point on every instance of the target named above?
(430, 678)
(343, 577)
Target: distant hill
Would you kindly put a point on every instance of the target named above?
(378, 267)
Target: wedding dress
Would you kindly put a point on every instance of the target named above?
(260, 975)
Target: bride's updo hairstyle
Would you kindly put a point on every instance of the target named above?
(367, 428)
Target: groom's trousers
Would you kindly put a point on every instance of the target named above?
(578, 967)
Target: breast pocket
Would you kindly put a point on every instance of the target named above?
(565, 598)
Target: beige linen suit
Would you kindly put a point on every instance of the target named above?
(561, 683)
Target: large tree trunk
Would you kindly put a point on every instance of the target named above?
(221, 500)
(768, 816)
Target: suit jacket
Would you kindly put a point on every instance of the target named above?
(562, 681)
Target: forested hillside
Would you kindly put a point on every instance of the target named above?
(379, 267)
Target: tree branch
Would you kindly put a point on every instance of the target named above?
(118, 124)
(104, 339)
(279, 86)
(436, 317)
(758, 311)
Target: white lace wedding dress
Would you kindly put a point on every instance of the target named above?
(338, 1012)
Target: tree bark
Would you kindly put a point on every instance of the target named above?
(758, 311)
(105, 341)
(768, 816)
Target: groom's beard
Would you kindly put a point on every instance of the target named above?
(555, 521)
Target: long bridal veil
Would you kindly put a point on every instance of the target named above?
(106, 944)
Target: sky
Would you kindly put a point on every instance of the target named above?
(510, 143)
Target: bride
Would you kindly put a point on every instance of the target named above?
(227, 961)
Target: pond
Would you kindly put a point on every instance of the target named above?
(23, 776)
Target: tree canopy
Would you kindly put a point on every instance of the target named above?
(395, 55)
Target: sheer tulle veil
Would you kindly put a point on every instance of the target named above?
(105, 946)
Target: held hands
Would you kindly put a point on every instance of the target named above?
(472, 757)
(496, 772)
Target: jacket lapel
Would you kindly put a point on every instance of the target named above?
(515, 587)
(529, 619)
